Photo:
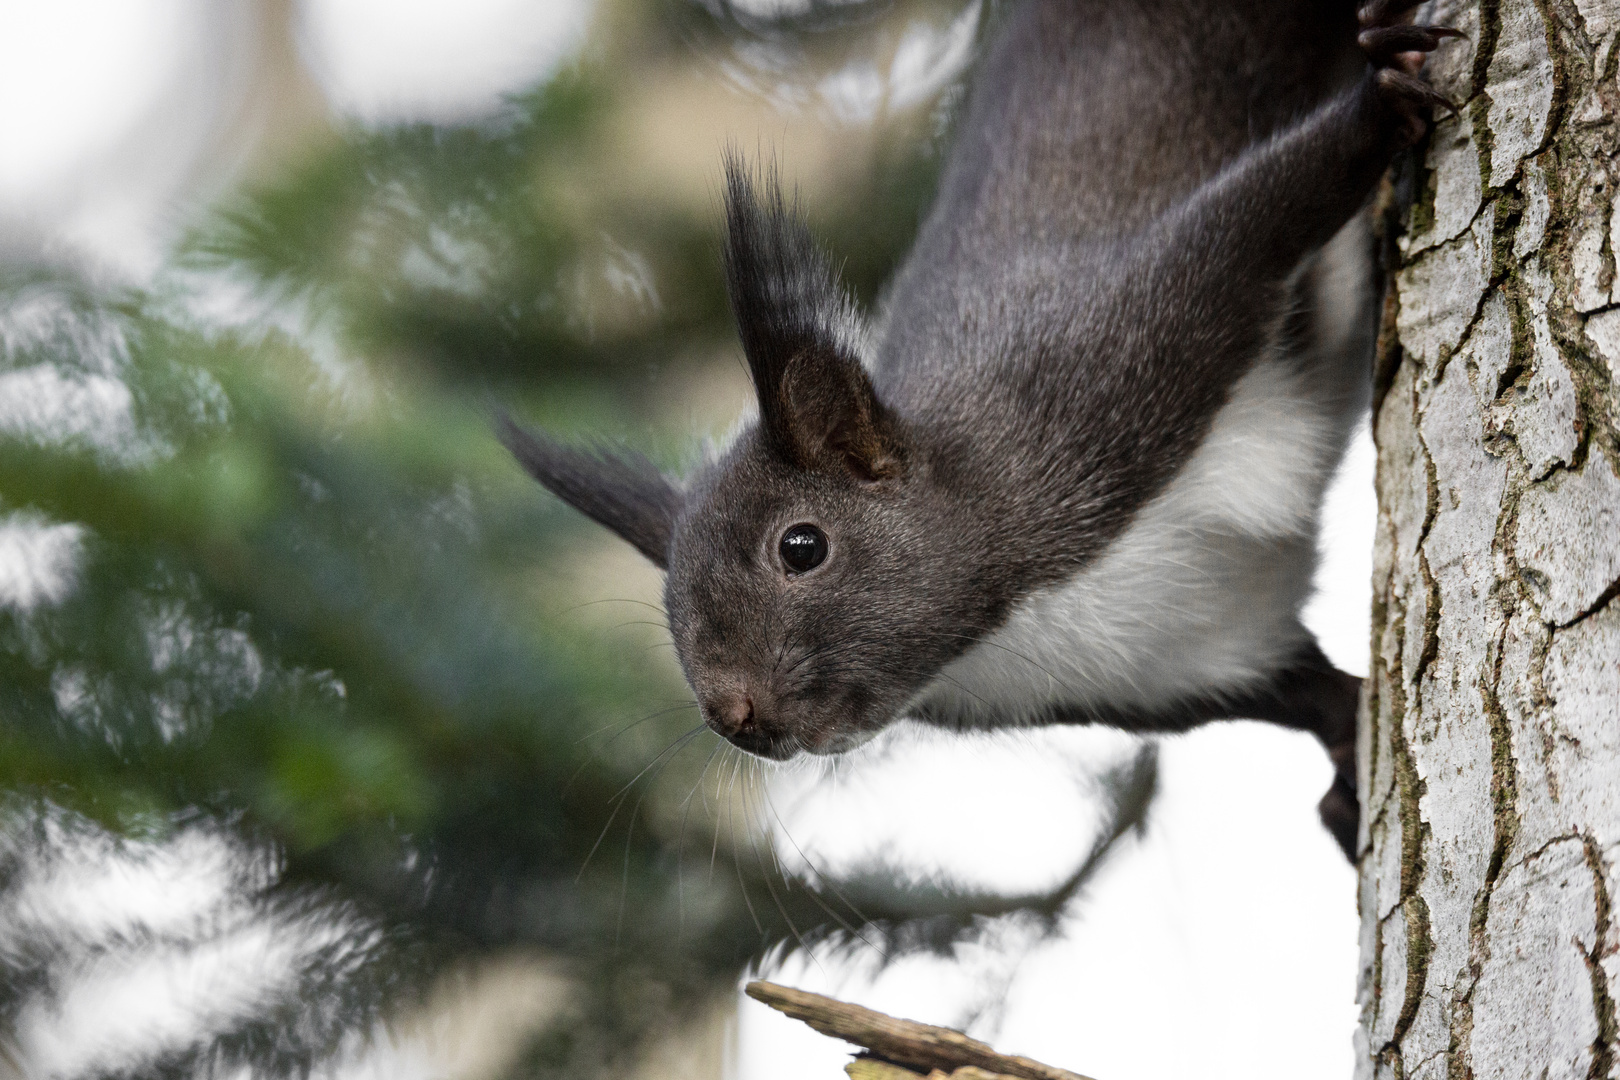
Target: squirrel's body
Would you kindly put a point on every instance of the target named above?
(1199, 596)
(1074, 474)
(1089, 120)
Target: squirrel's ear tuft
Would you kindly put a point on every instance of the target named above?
(801, 335)
(621, 490)
(783, 291)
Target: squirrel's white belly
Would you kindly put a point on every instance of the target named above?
(1200, 596)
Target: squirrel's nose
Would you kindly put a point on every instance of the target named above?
(731, 714)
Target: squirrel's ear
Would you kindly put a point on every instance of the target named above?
(827, 416)
(801, 336)
(623, 491)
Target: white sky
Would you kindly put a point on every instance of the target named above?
(76, 76)
(1222, 944)
(431, 59)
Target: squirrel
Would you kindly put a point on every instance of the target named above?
(1073, 472)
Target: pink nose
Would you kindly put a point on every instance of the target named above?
(731, 714)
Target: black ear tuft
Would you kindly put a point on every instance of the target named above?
(623, 491)
(801, 335)
(783, 291)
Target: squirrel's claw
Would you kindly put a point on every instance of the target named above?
(1396, 49)
(1383, 44)
(1413, 99)
(1413, 90)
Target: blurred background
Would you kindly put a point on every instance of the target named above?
(331, 745)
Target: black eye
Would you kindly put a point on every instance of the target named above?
(803, 548)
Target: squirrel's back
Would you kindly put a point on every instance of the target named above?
(1087, 119)
(1125, 106)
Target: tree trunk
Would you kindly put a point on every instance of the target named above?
(1490, 742)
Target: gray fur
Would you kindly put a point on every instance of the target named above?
(1093, 433)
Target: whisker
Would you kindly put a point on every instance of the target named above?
(672, 751)
(822, 876)
(680, 842)
(638, 622)
(613, 600)
(675, 745)
(633, 723)
(736, 865)
(717, 808)
(770, 886)
(619, 798)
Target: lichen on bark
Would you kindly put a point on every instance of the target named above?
(1490, 749)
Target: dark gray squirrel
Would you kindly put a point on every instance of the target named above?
(1073, 471)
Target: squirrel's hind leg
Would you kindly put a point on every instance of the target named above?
(1310, 694)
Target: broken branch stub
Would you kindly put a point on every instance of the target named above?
(891, 1041)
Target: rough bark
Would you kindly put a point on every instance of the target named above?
(1490, 737)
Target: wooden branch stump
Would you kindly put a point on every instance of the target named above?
(898, 1049)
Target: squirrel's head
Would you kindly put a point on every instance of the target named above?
(813, 584)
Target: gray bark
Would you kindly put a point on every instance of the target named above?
(1490, 735)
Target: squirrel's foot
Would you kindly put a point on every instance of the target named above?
(1340, 811)
(1397, 50)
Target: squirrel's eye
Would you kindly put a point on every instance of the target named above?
(803, 547)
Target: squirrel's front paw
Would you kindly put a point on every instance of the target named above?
(1397, 50)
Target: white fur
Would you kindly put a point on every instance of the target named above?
(1201, 593)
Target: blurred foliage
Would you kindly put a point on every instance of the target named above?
(312, 594)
